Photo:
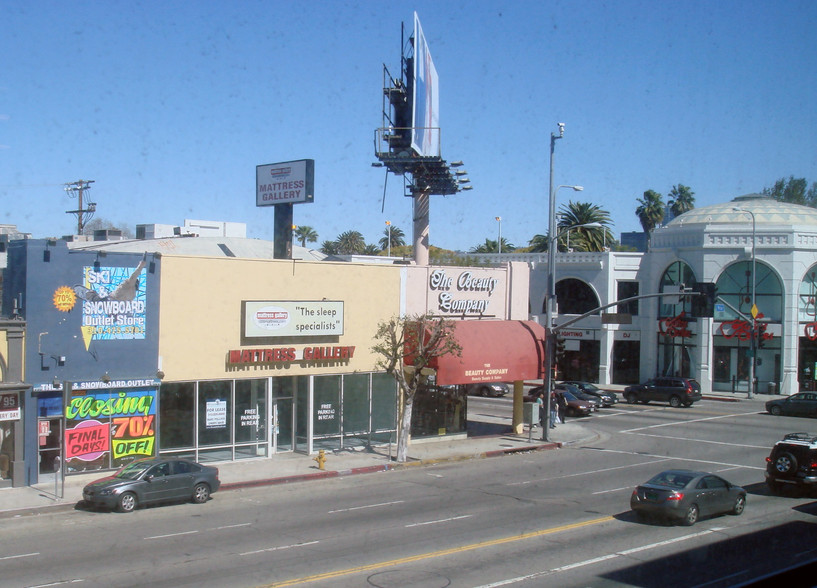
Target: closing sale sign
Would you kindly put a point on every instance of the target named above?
(288, 182)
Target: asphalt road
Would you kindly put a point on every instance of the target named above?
(556, 518)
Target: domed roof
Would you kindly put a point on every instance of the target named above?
(766, 210)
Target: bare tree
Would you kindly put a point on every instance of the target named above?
(407, 346)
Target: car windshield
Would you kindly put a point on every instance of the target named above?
(671, 479)
(131, 471)
(568, 396)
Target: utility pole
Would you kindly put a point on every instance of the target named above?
(76, 190)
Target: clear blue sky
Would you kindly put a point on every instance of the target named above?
(169, 107)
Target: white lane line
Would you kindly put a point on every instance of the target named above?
(438, 521)
(595, 560)
(614, 490)
(659, 459)
(365, 506)
(677, 458)
(700, 420)
(232, 526)
(20, 555)
(693, 440)
(279, 548)
(172, 535)
(72, 581)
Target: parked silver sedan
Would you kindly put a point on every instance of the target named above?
(685, 496)
(150, 481)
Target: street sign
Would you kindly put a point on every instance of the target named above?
(616, 318)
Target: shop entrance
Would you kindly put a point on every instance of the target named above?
(49, 448)
(283, 429)
(807, 364)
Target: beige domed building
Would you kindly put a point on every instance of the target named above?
(759, 253)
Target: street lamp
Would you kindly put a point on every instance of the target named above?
(753, 363)
(388, 226)
(499, 240)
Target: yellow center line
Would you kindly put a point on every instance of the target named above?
(444, 552)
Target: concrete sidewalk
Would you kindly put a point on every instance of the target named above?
(296, 467)
(488, 438)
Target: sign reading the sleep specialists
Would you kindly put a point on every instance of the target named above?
(293, 319)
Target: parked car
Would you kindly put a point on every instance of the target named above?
(676, 391)
(496, 389)
(150, 481)
(685, 496)
(607, 397)
(593, 401)
(803, 404)
(575, 406)
(793, 462)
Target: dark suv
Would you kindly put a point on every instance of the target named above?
(676, 391)
(793, 462)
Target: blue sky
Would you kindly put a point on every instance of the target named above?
(170, 106)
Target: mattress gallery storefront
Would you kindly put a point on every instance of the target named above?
(219, 358)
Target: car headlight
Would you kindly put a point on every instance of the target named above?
(106, 492)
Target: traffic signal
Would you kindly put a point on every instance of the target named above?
(703, 305)
(560, 346)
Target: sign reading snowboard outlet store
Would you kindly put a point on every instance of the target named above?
(288, 182)
(293, 319)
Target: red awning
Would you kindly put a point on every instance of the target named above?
(493, 351)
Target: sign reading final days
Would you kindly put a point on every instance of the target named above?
(288, 182)
(293, 319)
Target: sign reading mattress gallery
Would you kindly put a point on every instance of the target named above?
(293, 319)
(288, 182)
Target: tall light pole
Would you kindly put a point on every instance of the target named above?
(499, 239)
(388, 226)
(550, 299)
(754, 310)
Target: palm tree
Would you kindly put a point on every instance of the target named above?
(681, 200)
(304, 234)
(395, 234)
(371, 249)
(329, 248)
(583, 238)
(350, 242)
(491, 246)
(538, 244)
(650, 211)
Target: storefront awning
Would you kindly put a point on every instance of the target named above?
(493, 351)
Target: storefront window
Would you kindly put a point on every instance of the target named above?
(575, 297)
(326, 414)
(356, 404)
(384, 402)
(627, 290)
(176, 414)
(215, 406)
(438, 410)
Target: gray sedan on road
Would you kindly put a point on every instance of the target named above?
(803, 404)
(150, 481)
(685, 495)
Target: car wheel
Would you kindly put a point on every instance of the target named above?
(775, 410)
(201, 493)
(674, 401)
(691, 517)
(630, 398)
(785, 463)
(740, 504)
(127, 502)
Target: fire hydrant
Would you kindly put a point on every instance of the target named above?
(321, 459)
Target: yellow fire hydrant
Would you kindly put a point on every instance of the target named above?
(321, 459)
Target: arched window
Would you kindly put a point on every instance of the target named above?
(676, 275)
(735, 286)
(807, 301)
(575, 297)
